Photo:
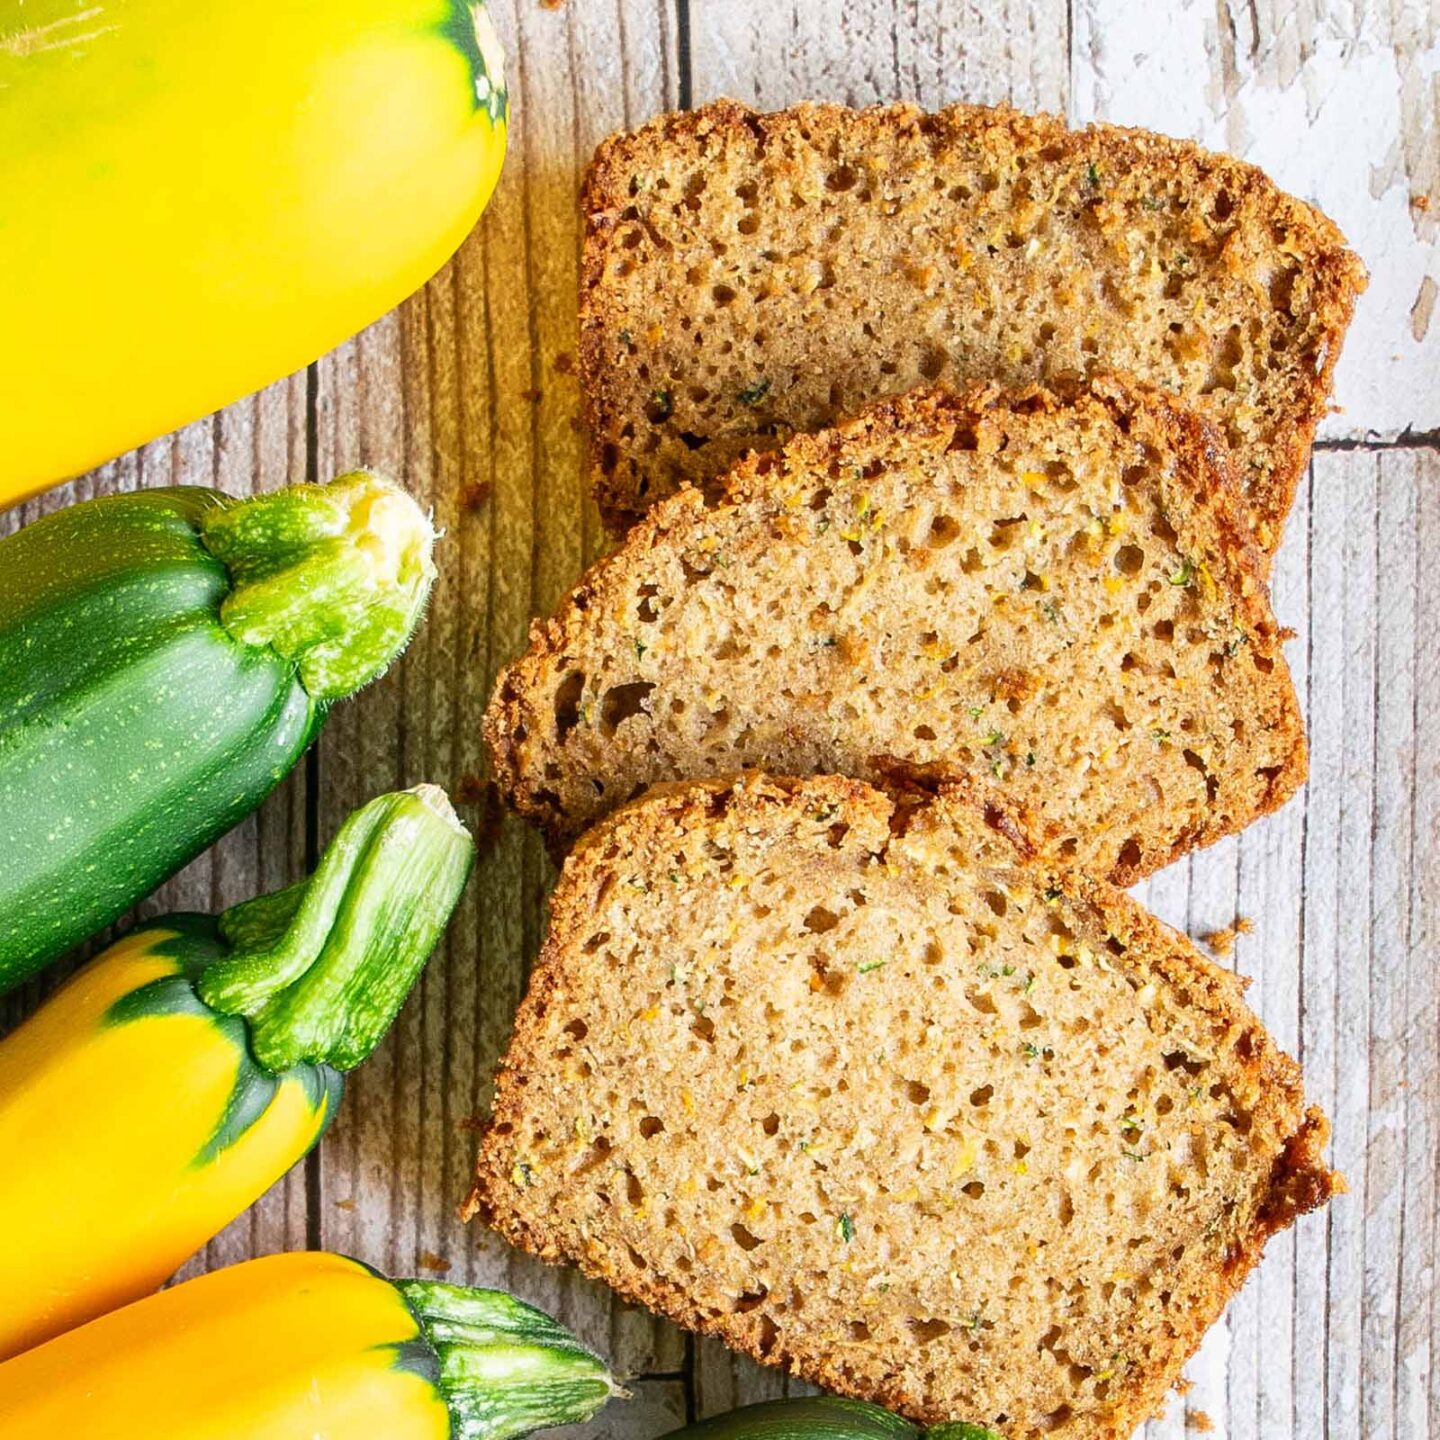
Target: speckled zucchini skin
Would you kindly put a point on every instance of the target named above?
(134, 730)
(821, 1417)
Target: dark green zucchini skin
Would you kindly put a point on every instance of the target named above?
(820, 1417)
(134, 729)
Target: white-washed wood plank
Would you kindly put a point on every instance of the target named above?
(1390, 871)
(724, 1381)
(1336, 100)
(1337, 920)
(1417, 1377)
(773, 53)
(1404, 977)
(467, 394)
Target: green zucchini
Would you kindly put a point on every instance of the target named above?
(821, 1417)
(165, 658)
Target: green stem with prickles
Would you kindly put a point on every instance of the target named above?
(333, 577)
(320, 969)
(504, 1368)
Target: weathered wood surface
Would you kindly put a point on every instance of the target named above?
(468, 394)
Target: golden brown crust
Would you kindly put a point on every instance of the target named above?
(1262, 230)
(1200, 503)
(1266, 1082)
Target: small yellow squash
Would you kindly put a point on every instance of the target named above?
(183, 1072)
(294, 1347)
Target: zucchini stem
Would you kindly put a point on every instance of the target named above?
(504, 1368)
(320, 968)
(333, 577)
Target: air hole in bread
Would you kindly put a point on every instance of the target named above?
(943, 530)
(620, 702)
(1129, 559)
(933, 361)
(928, 1331)
(820, 919)
(567, 703)
(1196, 762)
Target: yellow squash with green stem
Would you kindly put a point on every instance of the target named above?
(198, 199)
(179, 1075)
(293, 1347)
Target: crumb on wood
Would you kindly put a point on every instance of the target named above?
(429, 1260)
(564, 363)
(1222, 942)
(344, 1204)
(474, 496)
(552, 4)
(534, 395)
(1198, 1420)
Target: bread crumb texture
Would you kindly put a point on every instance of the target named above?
(746, 276)
(850, 1084)
(1054, 595)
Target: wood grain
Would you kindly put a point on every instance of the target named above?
(468, 394)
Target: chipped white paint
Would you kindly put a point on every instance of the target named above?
(1337, 104)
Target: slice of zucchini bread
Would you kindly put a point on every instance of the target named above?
(1055, 595)
(859, 1088)
(748, 275)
